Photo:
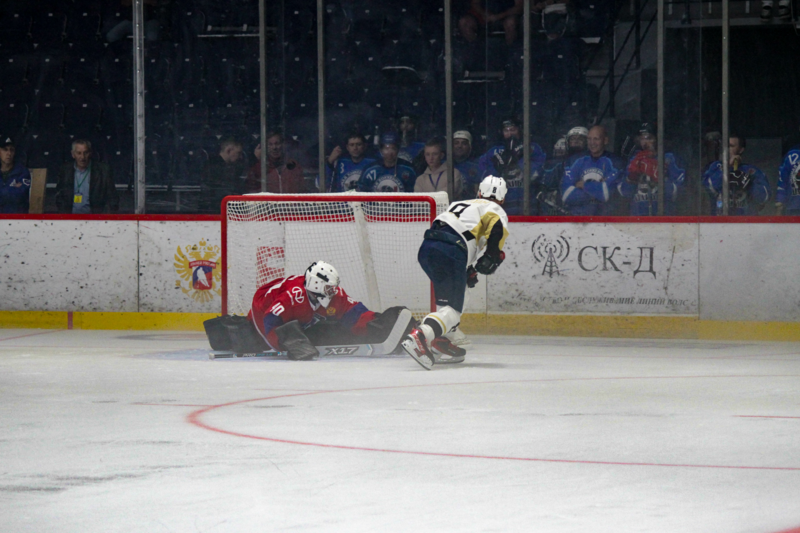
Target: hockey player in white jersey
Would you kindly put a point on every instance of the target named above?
(466, 240)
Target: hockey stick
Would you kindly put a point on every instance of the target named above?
(352, 350)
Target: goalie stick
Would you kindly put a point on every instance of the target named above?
(353, 350)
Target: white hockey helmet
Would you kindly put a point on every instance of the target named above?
(321, 282)
(578, 130)
(494, 188)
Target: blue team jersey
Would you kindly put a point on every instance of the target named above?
(789, 182)
(471, 171)
(599, 175)
(514, 203)
(643, 193)
(378, 178)
(15, 188)
(346, 174)
(747, 202)
(548, 201)
(407, 153)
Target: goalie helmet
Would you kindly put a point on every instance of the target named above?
(321, 282)
(493, 188)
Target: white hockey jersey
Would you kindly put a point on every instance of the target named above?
(476, 217)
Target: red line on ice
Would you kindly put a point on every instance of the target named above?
(194, 418)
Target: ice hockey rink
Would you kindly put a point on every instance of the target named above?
(139, 431)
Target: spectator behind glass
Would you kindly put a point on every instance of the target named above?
(788, 196)
(389, 174)
(590, 178)
(644, 178)
(284, 174)
(465, 163)
(434, 179)
(15, 180)
(506, 161)
(547, 186)
(410, 149)
(748, 188)
(85, 186)
(496, 14)
(222, 175)
(347, 170)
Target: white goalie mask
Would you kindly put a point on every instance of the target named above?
(493, 188)
(321, 282)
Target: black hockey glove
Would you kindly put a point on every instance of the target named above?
(472, 277)
(740, 180)
(488, 264)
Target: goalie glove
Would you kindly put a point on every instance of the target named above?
(472, 276)
(488, 264)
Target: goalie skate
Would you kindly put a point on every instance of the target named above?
(446, 352)
(414, 344)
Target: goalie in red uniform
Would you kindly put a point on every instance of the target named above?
(298, 313)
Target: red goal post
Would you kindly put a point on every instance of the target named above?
(372, 239)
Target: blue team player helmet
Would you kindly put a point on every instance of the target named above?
(493, 188)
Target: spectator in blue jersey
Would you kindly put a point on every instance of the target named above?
(389, 174)
(788, 196)
(547, 186)
(507, 160)
(643, 177)
(15, 180)
(346, 171)
(410, 149)
(465, 163)
(496, 14)
(748, 188)
(591, 177)
(434, 179)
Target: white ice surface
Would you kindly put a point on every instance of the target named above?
(528, 434)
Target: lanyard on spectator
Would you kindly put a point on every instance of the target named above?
(430, 177)
(85, 175)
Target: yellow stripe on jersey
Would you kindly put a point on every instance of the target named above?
(484, 229)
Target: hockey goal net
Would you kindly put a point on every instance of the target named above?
(372, 239)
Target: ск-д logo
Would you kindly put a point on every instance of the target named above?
(550, 252)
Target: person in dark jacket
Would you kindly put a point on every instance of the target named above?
(223, 175)
(84, 186)
(15, 180)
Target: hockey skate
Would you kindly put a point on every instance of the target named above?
(444, 351)
(458, 338)
(416, 346)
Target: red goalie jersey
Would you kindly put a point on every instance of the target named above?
(284, 300)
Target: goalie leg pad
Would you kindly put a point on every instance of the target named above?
(382, 325)
(234, 333)
(294, 341)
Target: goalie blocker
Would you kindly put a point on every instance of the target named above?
(233, 336)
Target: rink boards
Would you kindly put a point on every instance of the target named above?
(608, 270)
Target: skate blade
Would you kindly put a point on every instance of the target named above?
(411, 349)
(449, 359)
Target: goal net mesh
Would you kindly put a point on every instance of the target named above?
(372, 240)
